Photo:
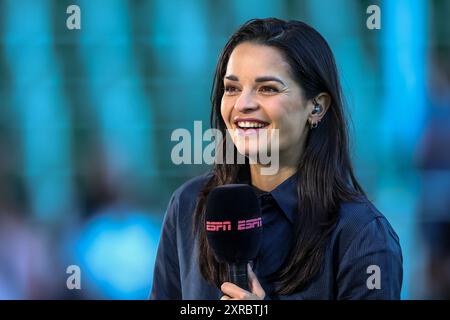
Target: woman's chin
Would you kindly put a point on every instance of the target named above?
(253, 153)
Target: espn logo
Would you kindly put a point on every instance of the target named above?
(249, 224)
(218, 225)
(226, 225)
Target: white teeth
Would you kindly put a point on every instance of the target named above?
(250, 124)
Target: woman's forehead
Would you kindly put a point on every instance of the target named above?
(257, 60)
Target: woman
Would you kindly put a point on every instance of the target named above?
(322, 238)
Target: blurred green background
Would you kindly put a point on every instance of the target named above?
(86, 118)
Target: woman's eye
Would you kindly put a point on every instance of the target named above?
(267, 89)
(230, 89)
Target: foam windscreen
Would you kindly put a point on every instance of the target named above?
(233, 223)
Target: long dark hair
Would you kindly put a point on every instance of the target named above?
(325, 172)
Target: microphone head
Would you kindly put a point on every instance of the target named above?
(233, 223)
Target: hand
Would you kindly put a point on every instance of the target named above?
(233, 292)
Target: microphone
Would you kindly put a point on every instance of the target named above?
(234, 228)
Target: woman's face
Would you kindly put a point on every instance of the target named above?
(261, 94)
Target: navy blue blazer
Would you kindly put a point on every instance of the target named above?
(362, 259)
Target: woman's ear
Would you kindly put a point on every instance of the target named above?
(321, 103)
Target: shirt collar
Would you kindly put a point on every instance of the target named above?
(287, 197)
(285, 194)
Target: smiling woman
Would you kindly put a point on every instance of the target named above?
(322, 238)
(259, 92)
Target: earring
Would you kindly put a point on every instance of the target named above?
(317, 107)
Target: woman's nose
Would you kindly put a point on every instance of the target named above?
(246, 102)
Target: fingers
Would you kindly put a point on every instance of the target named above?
(254, 284)
(233, 291)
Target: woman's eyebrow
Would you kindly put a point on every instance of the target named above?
(232, 77)
(269, 78)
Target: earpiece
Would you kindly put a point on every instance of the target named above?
(317, 107)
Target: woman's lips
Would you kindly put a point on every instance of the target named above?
(256, 121)
(249, 126)
(247, 132)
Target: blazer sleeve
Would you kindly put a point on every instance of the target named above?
(371, 267)
(166, 275)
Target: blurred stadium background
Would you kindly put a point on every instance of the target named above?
(86, 117)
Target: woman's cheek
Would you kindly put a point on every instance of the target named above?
(225, 110)
(225, 116)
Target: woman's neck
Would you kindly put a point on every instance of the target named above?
(270, 182)
(288, 165)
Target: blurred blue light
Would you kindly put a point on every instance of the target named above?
(116, 252)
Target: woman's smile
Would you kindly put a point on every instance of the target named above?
(249, 126)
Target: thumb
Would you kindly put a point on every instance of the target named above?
(255, 286)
